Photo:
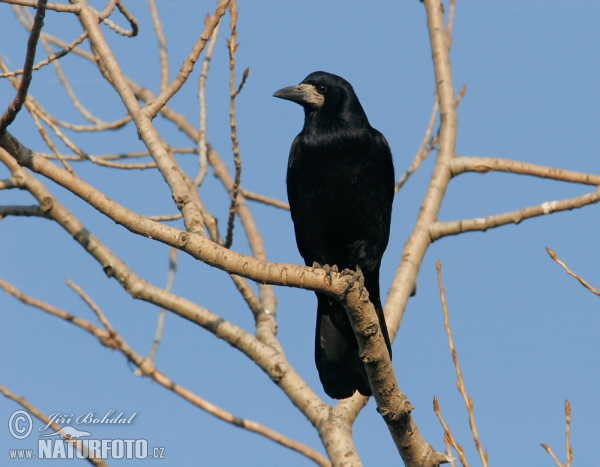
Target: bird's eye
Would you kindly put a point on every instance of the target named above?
(322, 89)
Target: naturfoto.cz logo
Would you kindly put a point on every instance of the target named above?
(70, 442)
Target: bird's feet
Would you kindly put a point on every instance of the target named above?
(357, 276)
(329, 270)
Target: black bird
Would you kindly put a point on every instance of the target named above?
(340, 184)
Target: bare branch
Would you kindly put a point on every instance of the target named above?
(442, 229)
(448, 438)
(571, 273)
(54, 40)
(147, 368)
(568, 433)
(459, 382)
(8, 183)
(26, 211)
(549, 451)
(265, 200)
(129, 17)
(51, 58)
(168, 217)
(162, 46)
(40, 416)
(483, 165)
(101, 334)
(232, 46)
(393, 406)
(188, 64)
(161, 312)
(61, 8)
(15, 106)
(165, 162)
(270, 360)
(425, 148)
(414, 250)
(202, 144)
(36, 114)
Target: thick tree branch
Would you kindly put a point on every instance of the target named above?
(393, 406)
(419, 240)
(271, 361)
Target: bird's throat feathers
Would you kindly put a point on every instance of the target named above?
(323, 130)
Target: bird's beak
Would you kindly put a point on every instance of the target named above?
(303, 94)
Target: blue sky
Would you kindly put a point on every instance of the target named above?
(525, 332)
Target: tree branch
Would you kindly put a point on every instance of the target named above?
(165, 162)
(461, 164)
(269, 360)
(15, 106)
(109, 337)
(414, 250)
(152, 109)
(442, 229)
(40, 416)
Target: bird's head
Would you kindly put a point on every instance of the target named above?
(325, 94)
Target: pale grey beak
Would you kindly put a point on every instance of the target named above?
(303, 94)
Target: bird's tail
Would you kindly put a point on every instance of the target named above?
(336, 351)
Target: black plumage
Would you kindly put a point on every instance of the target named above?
(340, 184)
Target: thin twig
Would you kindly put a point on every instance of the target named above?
(25, 211)
(15, 106)
(162, 46)
(34, 114)
(165, 161)
(154, 107)
(129, 17)
(166, 217)
(568, 433)
(61, 8)
(113, 157)
(50, 58)
(428, 142)
(148, 369)
(265, 200)
(40, 416)
(54, 40)
(232, 46)
(549, 451)
(425, 148)
(102, 335)
(448, 438)
(461, 387)
(161, 313)
(33, 111)
(63, 80)
(202, 142)
(572, 274)
(95, 308)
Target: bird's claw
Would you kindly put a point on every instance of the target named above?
(356, 276)
(329, 270)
